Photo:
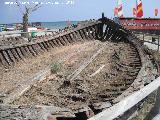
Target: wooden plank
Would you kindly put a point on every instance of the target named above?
(37, 48)
(7, 57)
(64, 39)
(78, 37)
(45, 45)
(19, 53)
(51, 43)
(48, 45)
(27, 51)
(85, 64)
(55, 42)
(24, 52)
(2, 59)
(82, 34)
(31, 50)
(86, 33)
(11, 55)
(93, 31)
(26, 84)
(127, 103)
(42, 46)
(59, 42)
(67, 38)
(72, 36)
(56, 36)
(34, 48)
(97, 71)
(158, 43)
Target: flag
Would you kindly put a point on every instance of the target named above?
(115, 11)
(134, 12)
(156, 12)
(139, 9)
(120, 8)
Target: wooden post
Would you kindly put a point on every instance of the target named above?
(158, 43)
(3, 37)
(45, 33)
(143, 36)
(52, 33)
(28, 36)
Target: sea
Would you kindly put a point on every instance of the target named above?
(57, 25)
(47, 25)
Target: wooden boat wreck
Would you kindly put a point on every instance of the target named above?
(101, 81)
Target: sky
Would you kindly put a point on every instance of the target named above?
(75, 10)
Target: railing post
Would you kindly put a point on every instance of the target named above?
(52, 33)
(158, 43)
(143, 36)
(28, 36)
(3, 37)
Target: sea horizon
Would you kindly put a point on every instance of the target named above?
(50, 25)
(57, 25)
(43, 21)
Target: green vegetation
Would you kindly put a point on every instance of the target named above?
(56, 67)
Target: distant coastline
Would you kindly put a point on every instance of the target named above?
(57, 25)
(48, 25)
